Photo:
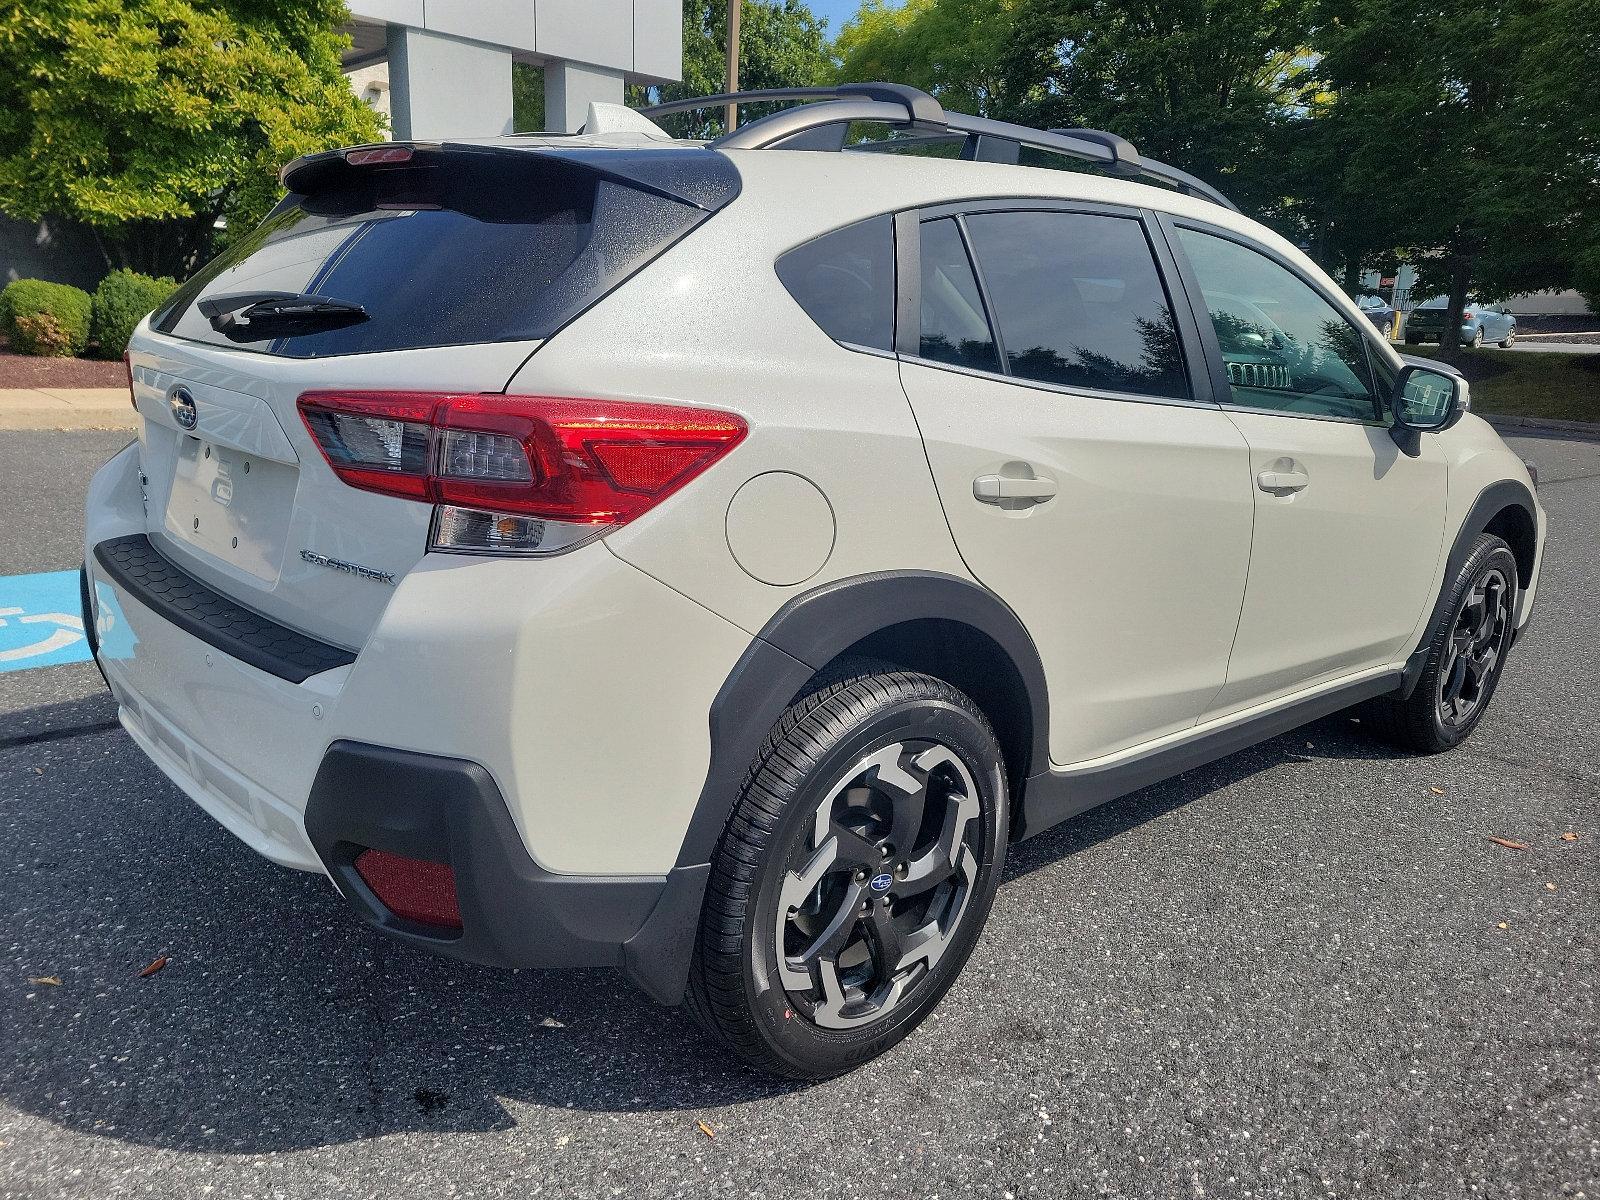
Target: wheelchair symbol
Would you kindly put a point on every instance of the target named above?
(67, 629)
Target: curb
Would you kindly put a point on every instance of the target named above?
(1585, 429)
(65, 409)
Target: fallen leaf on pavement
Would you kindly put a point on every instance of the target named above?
(45, 980)
(1508, 843)
(153, 967)
(705, 1129)
(552, 1023)
(1437, 791)
(1569, 837)
(1549, 887)
(1502, 925)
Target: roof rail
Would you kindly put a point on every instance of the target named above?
(824, 127)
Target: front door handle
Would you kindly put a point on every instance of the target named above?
(1282, 481)
(996, 489)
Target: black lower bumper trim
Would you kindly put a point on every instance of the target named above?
(513, 912)
(136, 566)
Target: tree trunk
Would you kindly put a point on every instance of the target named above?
(1460, 278)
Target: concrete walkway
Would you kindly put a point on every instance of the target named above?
(66, 408)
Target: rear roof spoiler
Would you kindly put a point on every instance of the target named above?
(683, 173)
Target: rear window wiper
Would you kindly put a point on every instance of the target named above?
(227, 312)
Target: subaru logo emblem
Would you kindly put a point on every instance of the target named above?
(183, 409)
(881, 883)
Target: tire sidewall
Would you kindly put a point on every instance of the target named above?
(1491, 552)
(792, 1037)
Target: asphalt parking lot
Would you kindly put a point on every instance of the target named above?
(1302, 971)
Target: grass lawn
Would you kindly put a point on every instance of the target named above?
(1563, 387)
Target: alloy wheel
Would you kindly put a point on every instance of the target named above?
(872, 898)
(1476, 648)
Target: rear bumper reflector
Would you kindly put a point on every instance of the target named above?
(411, 888)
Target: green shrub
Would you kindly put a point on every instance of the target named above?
(120, 303)
(45, 318)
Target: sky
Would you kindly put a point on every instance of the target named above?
(836, 11)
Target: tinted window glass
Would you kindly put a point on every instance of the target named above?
(845, 282)
(452, 249)
(954, 328)
(1286, 348)
(1078, 301)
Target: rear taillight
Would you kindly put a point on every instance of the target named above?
(127, 365)
(517, 474)
(1466, 316)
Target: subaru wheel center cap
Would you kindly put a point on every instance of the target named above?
(881, 883)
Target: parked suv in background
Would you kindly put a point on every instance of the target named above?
(706, 560)
(1480, 323)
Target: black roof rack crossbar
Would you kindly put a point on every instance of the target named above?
(811, 127)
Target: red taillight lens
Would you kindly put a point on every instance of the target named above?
(127, 365)
(1466, 316)
(412, 888)
(586, 462)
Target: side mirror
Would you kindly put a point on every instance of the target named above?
(1425, 400)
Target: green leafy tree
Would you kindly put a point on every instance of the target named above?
(953, 49)
(149, 121)
(1202, 84)
(1473, 153)
(781, 44)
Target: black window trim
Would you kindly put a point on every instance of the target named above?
(1169, 225)
(908, 224)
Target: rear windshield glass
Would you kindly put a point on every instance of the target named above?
(845, 282)
(468, 248)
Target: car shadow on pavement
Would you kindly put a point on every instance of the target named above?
(279, 1023)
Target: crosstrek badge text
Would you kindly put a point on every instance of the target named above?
(350, 568)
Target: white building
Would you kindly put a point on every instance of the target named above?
(442, 68)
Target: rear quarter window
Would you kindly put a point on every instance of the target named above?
(845, 282)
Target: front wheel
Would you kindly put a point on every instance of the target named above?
(1477, 337)
(1466, 653)
(854, 876)
(1511, 339)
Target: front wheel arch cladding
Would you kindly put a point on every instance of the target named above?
(806, 634)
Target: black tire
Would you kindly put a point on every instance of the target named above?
(1429, 721)
(1477, 337)
(1511, 339)
(934, 736)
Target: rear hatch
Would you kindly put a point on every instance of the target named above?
(402, 268)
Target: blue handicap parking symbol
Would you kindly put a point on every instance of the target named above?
(41, 624)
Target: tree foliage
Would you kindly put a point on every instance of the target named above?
(1476, 153)
(148, 120)
(782, 43)
(954, 49)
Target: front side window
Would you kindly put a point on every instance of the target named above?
(1079, 302)
(845, 282)
(1287, 349)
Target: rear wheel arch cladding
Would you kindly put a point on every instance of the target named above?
(780, 528)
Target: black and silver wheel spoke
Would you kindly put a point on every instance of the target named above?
(876, 894)
(1473, 653)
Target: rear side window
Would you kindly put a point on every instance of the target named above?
(458, 249)
(1079, 302)
(845, 282)
(954, 327)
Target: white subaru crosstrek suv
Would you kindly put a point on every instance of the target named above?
(705, 560)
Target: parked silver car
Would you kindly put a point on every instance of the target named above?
(1480, 323)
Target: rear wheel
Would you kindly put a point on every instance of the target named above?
(855, 874)
(1477, 337)
(1466, 654)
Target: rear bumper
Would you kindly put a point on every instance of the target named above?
(513, 913)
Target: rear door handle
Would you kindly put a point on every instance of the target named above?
(1282, 481)
(995, 489)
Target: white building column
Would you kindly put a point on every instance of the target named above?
(447, 87)
(569, 87)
